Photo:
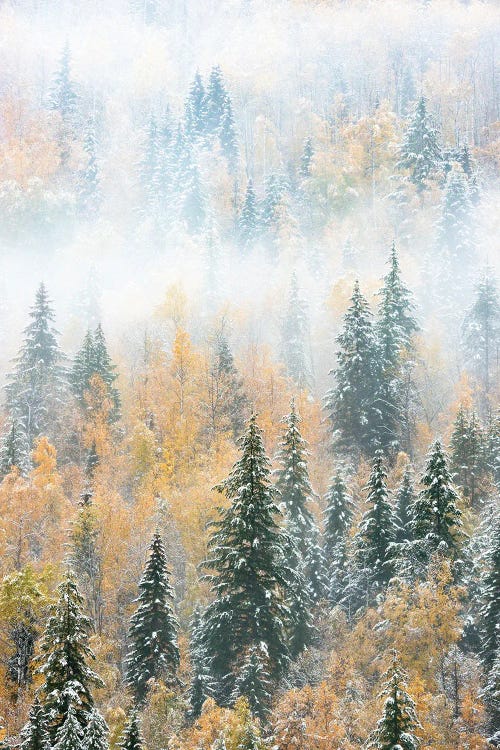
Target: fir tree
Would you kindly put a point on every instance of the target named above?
(492, 448)
(405, 500)
(306, 158)
(436, 518)
(248, 227)
(153, 629)
(374, 538)
(339, 511)
(292, 481)
(352, 402)
(93, 359)
(420, 151)
(467, 454)
(315, 568)
(34, 735)
(86, 559)
(215, 102)
(490, 610)
(15, 449)
(228, 137)
(295, 338)
(481, 333)
(35, 389)
(63, 96)
(64, 653)
(455, 227)
(96, 733)
(250, 577)
(195, 117)
(396, 729)
(69, 736)
(202, 685)
(89, 193)
(491, 696)
(253, 682)
(132, 737)
(230, 394)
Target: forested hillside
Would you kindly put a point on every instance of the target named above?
(250, 363)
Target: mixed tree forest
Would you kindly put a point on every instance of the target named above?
(250, 374)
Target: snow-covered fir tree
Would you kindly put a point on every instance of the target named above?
(215, 101)
(489, 615)
(481, 334)
(91, 360)
(397, 728)
(455, 228)
(248, 220)
(420, 152)
(132, 736)
(315, 568)
(492, 448)
(338, 513)
(86, 559)
(202, 685)
(295, 342)
(227, 402)
(89, 190)
(96, 733)
(404, 501)
(467, 454)
(15, 449)
(436, 523)
(253, 682)
(195, 113)
(35, 389)
(34, 735)
(491, 695)
(64, 653)
(69, 736)
(63, 96)
(249, 574)
(351, 404)
(373, 564)
(228, 137)
(153, 628)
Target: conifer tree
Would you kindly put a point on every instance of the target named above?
(34, 735)
(339, 511)
(467, 454)
(250, 577)
(68, 679)
(490, 609)
(15, 449)
(306, 158)
(86, 560)
(492, 448)
(420, 151)
(228, 137)
(455, 236)
(63, 96)
(436, 518)
(69, 736)
(491, 696)
(194, 210)
(295, 338)
(96, 733)
(153, 628)
(202, 685)
(351, 403)
(248, 226)
(229, 385)
(36, 388)
(132, 737)
(481, 333)
(93, 359)
(315, 568)
(374, 538)
(253, 683)
(195, 117)
(216, 97)
(292, 480)
(396, 729)
(405, 499)
(89, 193)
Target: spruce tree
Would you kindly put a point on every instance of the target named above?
(405, 499)
(250, 577)
(85, 558)
(295, 338)
(339, 511)
(374, 538)
(34, 735)
(351, 403)
(315, 568)
(96, 733)
(93, 359)
(489, 615)
(230, 395)
(248, 220)
(89, 192)
(467, 454)
(436, 518)
(215, 101)
(491, 697)
(396, 729)
(481, 333)
(253, 683)
(132, 737)
(492, 448)
(69, 736)
(63, 95)
(35, 390)
(455, 228)
(202, 685)
(306, 158)
(15, 449)
(153, 628)
(195, 117)
(228, 137)
(420, 151)
(292, 480)
(68, 679)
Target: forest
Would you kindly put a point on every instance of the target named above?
(250, 375)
